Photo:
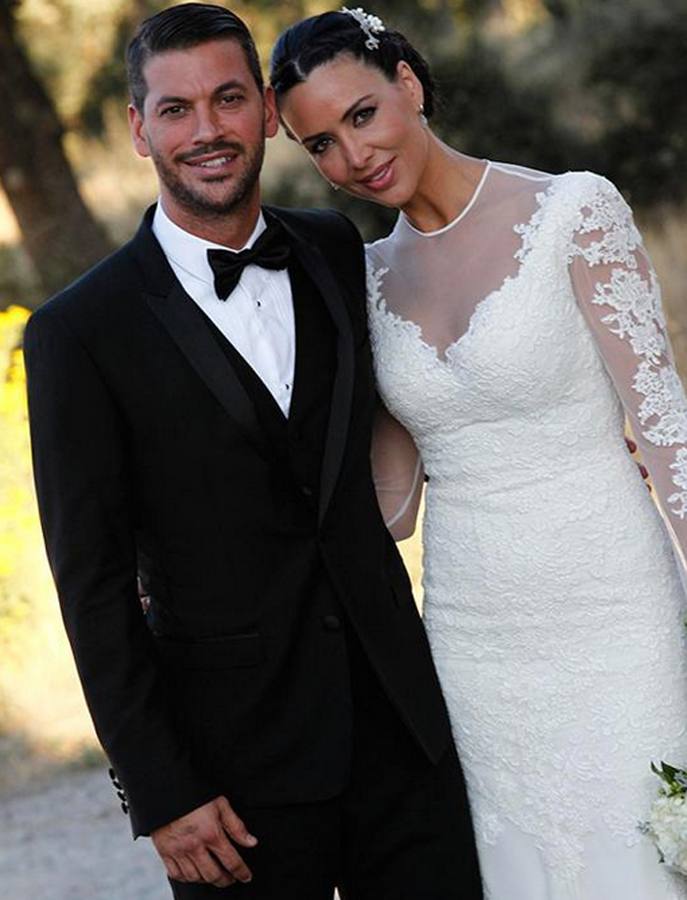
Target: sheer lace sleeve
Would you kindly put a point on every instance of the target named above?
(618, 293)
(398, 474)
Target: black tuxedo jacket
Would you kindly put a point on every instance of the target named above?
(152, 455)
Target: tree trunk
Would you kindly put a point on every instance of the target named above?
(59, 233)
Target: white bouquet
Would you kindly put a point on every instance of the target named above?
(667, 823)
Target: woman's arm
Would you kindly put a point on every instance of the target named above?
(398, 474)
(618, 292)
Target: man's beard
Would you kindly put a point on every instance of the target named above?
(198, 203)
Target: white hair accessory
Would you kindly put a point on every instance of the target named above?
(370, 24)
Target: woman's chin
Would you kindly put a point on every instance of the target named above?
(392, 197)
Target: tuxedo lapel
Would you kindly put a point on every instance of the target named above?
(189, 330)
(318, 269)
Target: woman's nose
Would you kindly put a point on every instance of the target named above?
(358, 153)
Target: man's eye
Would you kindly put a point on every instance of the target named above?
(172, 110)
(231, 99)
(363, 115)
(320, 146)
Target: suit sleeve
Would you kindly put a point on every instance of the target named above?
(86, 506)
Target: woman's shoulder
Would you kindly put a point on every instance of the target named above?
(379, 253)
(590, 202)
(584, 184)
(574, 184)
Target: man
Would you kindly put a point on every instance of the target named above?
(202, 418)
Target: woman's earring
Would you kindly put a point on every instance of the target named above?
(423, 117)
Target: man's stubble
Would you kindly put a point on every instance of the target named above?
(200, 205)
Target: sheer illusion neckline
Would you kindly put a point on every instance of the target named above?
(461, 215)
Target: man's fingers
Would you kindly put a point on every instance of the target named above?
(198, 847)
(228, 857)
(172, 868)
(211, 870)
(189, 870)
(234, 826)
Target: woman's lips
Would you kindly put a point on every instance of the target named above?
(380, 179)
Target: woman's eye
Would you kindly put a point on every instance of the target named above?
(363, 115)
(320, 146)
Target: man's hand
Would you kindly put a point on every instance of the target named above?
(196, 847)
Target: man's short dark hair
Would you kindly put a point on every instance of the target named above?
(181, 27)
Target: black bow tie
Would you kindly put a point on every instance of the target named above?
(270, 251)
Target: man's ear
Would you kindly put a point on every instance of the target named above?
(138, 137)
(271, 114)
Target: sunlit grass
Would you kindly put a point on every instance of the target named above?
(42, 715)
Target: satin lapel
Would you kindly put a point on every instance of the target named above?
(342, 393)
(184, 322)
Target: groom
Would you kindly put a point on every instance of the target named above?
(201, 417)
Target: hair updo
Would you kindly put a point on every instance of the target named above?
(320, 39)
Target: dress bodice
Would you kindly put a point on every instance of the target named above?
(531, 325)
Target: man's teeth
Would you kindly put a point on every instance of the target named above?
(214, 163)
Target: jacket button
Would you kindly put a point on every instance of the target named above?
(306, 491)
(125, 809)
(331, 623)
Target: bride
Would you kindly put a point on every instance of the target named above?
(516, 321)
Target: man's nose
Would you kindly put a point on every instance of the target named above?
(208, 126)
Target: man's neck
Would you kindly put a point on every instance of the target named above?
(229, 230)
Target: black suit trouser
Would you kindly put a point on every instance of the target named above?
(400, 831)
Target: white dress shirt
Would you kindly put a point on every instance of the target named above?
(257, 317)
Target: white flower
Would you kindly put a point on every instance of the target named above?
(667, 827)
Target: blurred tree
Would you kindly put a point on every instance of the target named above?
(108, 83)
(618, 69)
(637, 73)
(60, 235)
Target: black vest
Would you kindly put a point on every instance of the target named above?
(300, 438)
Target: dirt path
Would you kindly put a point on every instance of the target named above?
(70, 841)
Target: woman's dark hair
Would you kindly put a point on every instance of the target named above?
(320, 39)
(181, 27)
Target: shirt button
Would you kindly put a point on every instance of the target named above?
(331, 623)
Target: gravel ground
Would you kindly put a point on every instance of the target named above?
(70, 841)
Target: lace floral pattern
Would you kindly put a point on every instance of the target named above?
(637, 315)
(552, 601)
(680, 479)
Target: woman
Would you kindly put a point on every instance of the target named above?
(515, 320)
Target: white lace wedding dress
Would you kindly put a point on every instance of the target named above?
(511, 344)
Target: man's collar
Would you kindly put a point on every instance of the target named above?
(188, 251)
